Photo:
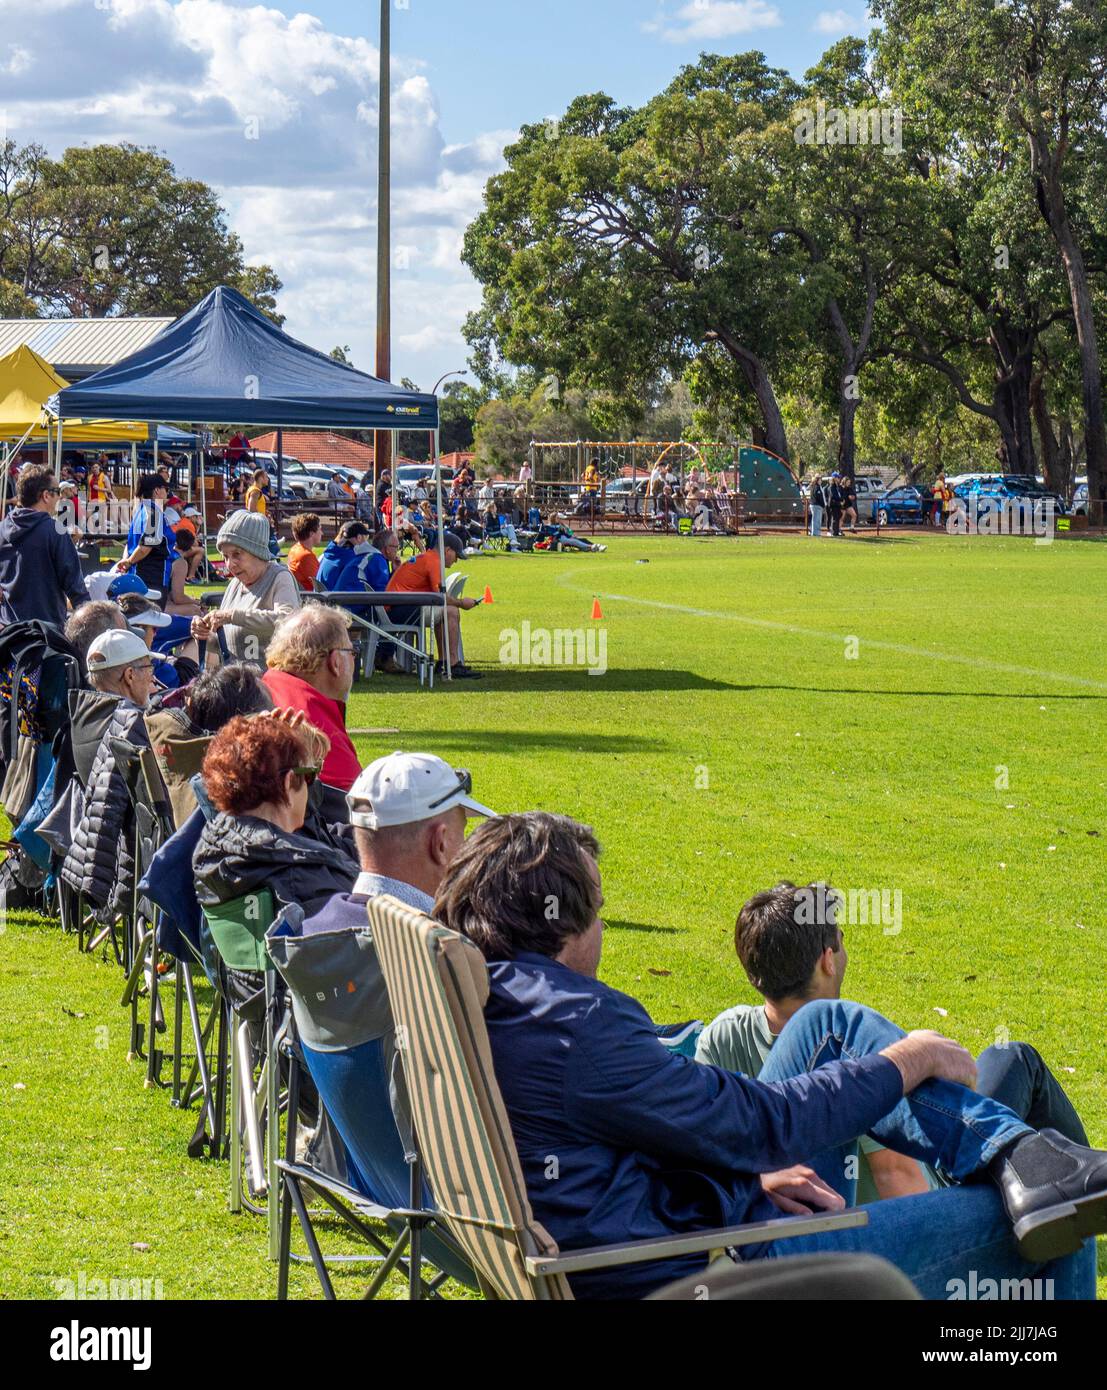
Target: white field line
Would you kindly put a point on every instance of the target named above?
(979, 663)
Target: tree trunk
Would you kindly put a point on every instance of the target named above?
(1051, 202)
(753, 369)
(847, 411)
(1015, 394)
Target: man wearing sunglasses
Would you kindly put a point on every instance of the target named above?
(409, 812)
(311, 659)
(99, 860)
(39, 568)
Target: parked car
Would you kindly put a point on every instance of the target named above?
(899, 506)
(297, 480)
(868, 486)
(408, 475)
(994, 492)
(1079, 504)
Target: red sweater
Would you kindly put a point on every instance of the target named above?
(329, 717)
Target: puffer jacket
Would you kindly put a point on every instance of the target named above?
(100, 862)
(240, 854)
(90, 713)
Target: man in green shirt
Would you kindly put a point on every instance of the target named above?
(791, 947)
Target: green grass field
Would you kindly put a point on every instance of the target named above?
(954, 752)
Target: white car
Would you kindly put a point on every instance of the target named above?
(296, 477)
(1080, 498)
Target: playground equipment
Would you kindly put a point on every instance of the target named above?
(753, 483)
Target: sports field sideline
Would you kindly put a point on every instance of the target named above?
(953, 753)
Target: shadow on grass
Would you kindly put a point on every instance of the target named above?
(613, 924)
(526, 740)
(501, 680)
(528, 679)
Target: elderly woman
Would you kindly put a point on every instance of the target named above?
(257, 773)
(260, 594)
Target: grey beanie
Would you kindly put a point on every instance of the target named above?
(249, 531)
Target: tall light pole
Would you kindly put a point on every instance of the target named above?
(382, 439)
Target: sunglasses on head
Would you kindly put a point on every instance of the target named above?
(464, 785)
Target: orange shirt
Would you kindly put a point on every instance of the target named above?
(304, 566)
(422, 575)
(187, 524)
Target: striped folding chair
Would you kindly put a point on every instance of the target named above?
(437, 987)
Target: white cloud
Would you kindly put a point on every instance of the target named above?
(279, 114)
(835, 23)
(716, 19)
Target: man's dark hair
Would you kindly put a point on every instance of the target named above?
(352, 530)
(304, 524)
(780, 935)
(521, 883)
(147, 484)
(215, 698)
(33, 482)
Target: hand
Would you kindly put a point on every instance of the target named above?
(123, 566)
(468, 603)
(800, 1191)
(924, 1054)
(200, 629)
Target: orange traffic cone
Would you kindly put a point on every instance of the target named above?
(597, 611)
(488, 593)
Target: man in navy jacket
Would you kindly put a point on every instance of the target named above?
(39, 568)
(621, 1140)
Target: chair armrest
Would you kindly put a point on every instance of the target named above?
(669, 1247)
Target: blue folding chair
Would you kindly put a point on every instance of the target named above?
(345, 1036)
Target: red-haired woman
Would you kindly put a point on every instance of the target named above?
(257, 774)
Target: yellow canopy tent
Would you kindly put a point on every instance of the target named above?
(27, 383)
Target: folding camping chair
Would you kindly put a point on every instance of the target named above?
(344, 1035)
(169, 884)
(237, 930)
(437, 988)
(153, 826)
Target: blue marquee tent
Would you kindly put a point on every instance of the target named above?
(224, 362)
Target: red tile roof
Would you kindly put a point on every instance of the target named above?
(322, 446)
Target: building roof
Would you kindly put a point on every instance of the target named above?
(456, 459)
(77, 348)
(322, 446)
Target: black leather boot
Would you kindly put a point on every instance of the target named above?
(1055, 1193)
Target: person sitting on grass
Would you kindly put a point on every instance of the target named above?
(791, 947)
(649, 1144)
(424, 575)
(311, 661)
(408, 811)
(257, 773)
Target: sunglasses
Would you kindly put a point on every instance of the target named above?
(308, 773)
(464, 785)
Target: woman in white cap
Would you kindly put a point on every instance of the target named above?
(260, 594)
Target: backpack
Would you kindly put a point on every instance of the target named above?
(38, 669)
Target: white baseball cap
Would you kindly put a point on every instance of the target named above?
(191, 511)
(406, 787)
(150, 617)
(115, 648)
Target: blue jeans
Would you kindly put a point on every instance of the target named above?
(943, 1241)
(816, 521)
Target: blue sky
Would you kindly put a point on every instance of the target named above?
(275, 106)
